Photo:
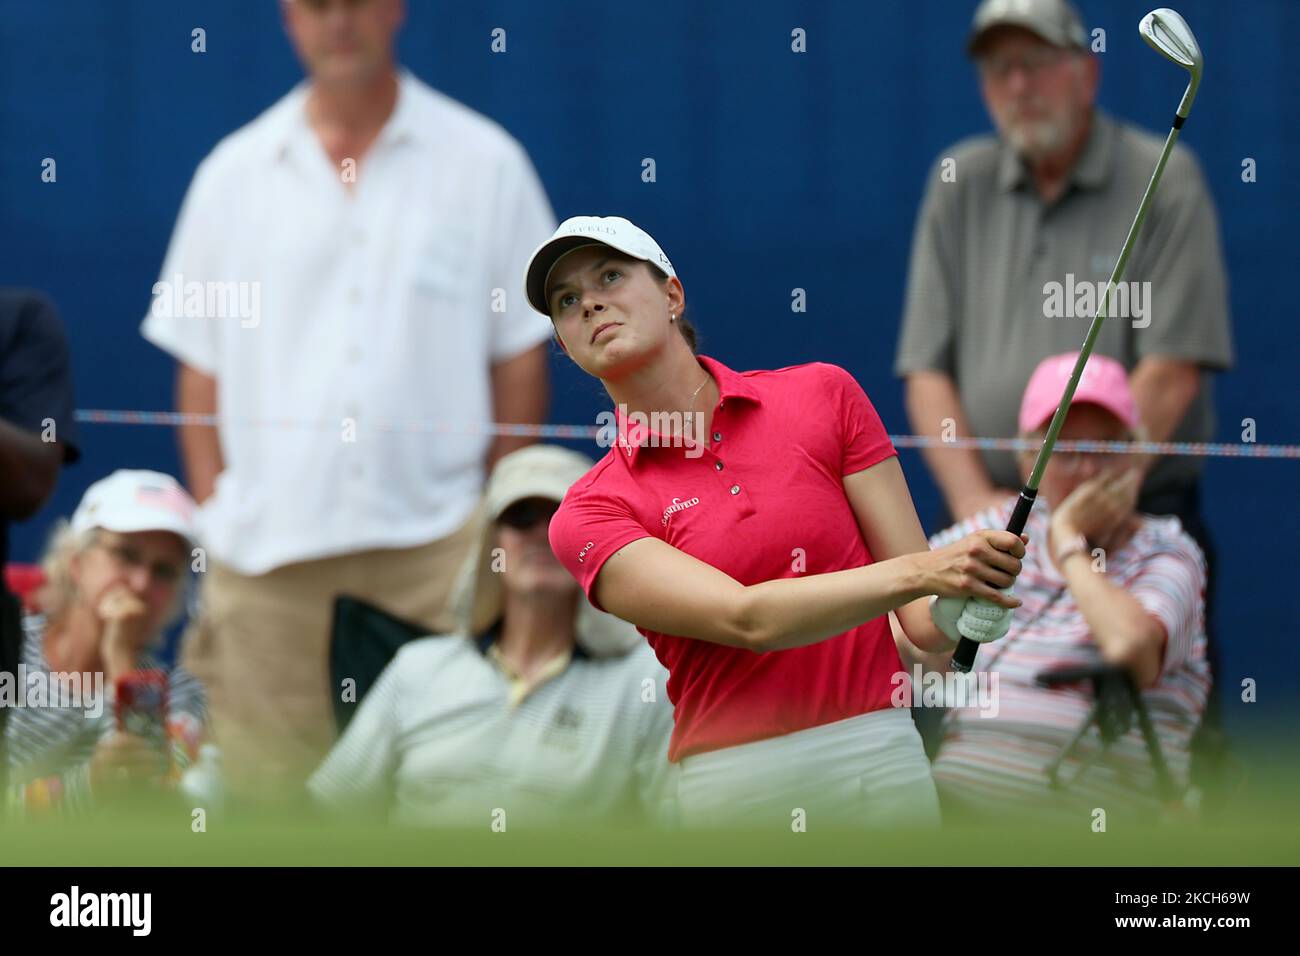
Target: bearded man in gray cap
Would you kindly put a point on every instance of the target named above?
(1015, 242)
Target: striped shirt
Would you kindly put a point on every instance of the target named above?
(998, 763)
(49, 747)
(440, 740)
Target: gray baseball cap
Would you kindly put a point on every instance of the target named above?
(1056, 21)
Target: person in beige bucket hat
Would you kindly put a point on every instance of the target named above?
(538, 705)
(526, 485)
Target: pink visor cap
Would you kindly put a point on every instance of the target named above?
(1103, 382)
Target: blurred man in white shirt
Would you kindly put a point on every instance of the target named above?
(344, 264)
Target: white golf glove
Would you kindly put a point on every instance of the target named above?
(980, 620)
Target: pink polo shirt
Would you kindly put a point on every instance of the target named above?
(765, 500)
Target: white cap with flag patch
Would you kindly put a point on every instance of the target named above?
(129, 501)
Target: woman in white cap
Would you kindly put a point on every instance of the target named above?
(538, 710)
(758, 531)
(115, 578)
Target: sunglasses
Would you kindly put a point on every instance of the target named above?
(1034, 63)
(525, 514)
(320, 6)
(129, 558)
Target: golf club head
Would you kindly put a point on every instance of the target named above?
(1166, 32)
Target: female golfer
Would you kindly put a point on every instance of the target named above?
(757, 529)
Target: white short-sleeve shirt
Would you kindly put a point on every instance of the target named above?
(332, 319)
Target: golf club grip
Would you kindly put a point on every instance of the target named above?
(963, 659)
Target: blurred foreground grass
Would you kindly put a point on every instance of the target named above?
(286, 842)
(1256, 825)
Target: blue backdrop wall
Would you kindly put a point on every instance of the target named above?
(774, 171)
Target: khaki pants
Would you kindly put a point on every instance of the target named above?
(261, 649)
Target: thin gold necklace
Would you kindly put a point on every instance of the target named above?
(697, 391)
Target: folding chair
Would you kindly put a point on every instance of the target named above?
(1116, 703)
(363, 639)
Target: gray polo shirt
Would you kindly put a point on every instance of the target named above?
(980, 302)
(438, 741)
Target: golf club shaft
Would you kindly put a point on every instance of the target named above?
(963, 659)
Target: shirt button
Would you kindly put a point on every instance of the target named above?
(354, 353)
(735, 489)
(354, 296)
(718, 465)
(358, 469)
(717, 436)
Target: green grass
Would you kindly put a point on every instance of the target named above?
(1253, 824)
(287, 842)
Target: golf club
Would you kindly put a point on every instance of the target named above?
(1169, 35)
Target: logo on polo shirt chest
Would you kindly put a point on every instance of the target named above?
(678, 505)
(564, 729)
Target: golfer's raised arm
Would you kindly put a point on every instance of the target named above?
(657, 587)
